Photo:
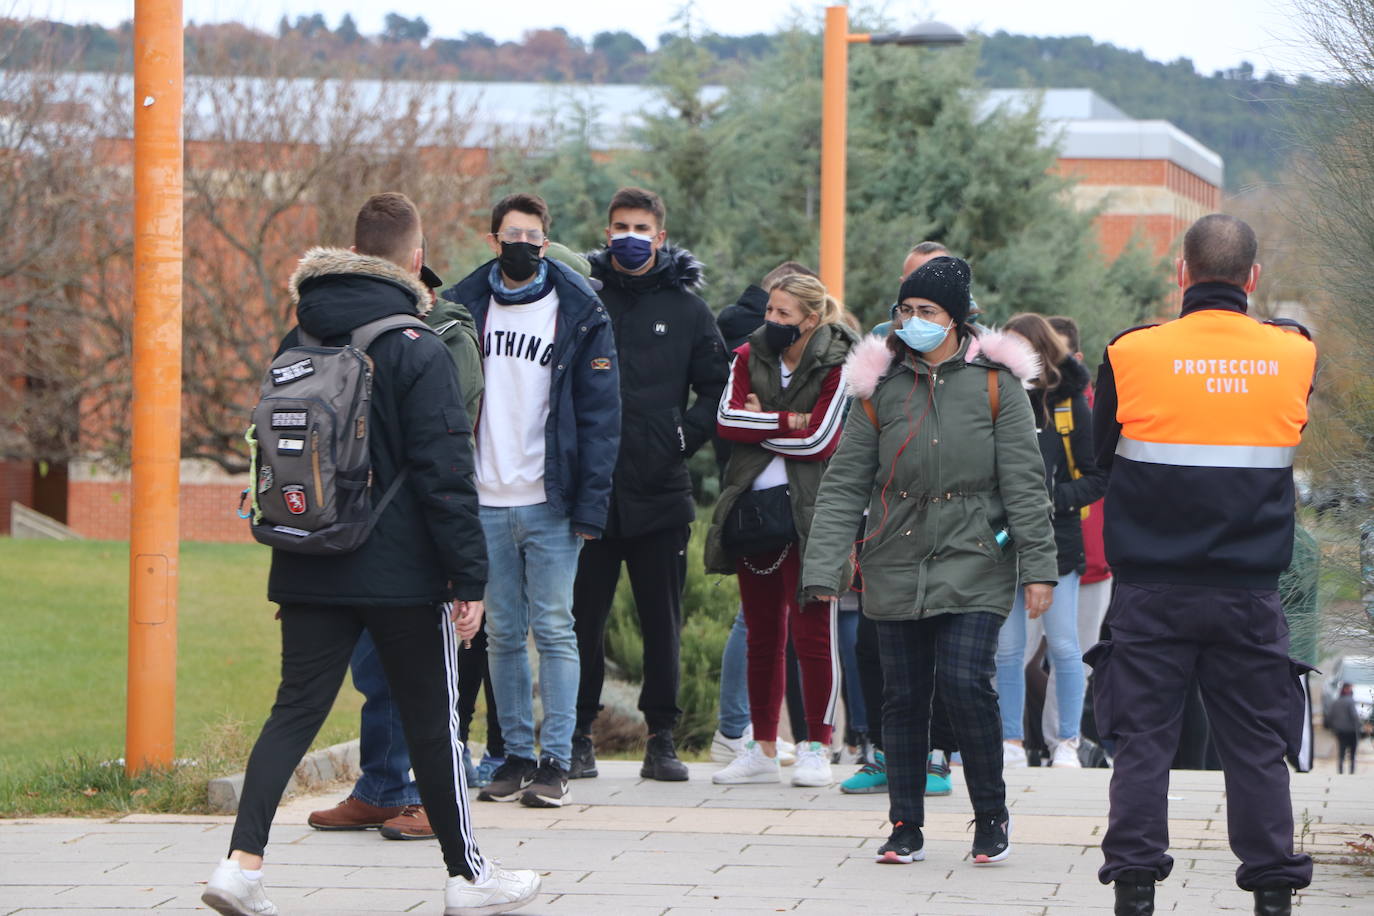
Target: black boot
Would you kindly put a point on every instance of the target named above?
(660, 760)
(1274, 901)
(1135, 893)
(583, 758)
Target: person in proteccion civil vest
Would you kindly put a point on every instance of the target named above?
(1197, 421)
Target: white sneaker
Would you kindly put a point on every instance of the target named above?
(502, 892)
(1013, 756)
(229, 892)
(1066, 754)
(750, 766)
(813, 766)
(848, 756)
(787, 753)
(724, 750)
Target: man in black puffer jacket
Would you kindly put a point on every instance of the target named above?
(426, 550)
(668, 347)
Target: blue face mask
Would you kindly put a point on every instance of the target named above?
(632, 250)
(921, 335)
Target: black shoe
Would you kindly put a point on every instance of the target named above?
(903, 847)
(583, 758)
(991, 837)
(548, 788)
(660, 760)
(1274, 901)
(510, 779)
(1135, 893)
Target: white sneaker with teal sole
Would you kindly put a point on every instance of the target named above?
(751, 766)
(232, 893)
(501, 892)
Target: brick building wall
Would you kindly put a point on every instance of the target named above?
(1154, 198)
(98, 505)
(16, 485)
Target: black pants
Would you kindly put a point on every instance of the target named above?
(474, 678)
(1234, 641)
(657, 563)
(871, 677)
(957, 652)
(1346, 742)
(418, 649)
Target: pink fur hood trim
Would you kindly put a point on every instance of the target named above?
(868, 362)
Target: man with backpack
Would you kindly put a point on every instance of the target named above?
(384, 539)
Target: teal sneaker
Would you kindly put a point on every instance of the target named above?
(937, 774)
(870, 780)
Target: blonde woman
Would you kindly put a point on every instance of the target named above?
(783, 408)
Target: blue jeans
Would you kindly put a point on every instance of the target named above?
(382, 751)
(532, 555)
(1066, 660)
(854, 709)
(734, 682)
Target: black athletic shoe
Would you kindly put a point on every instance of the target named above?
(509, 780)
(548, 788)
(583, 758)
(1135, 893)
(660, 760)
(991, 838)
(903, 847)
(1274, 901)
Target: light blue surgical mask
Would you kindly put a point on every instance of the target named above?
(921, 335)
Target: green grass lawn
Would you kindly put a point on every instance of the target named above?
(64, 638)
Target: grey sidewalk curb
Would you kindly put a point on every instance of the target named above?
(316, 769)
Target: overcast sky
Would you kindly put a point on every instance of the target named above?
(1215, 34)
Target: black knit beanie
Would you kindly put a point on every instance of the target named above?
(944, 281)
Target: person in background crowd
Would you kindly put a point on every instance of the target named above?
(415, 585)
(1063, 423)
(1344, 720)
(1197, 421)
(783, 409)
(546, 447)
(940, 448)
(736, 322)
(669, 348)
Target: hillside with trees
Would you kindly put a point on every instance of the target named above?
(1235, 112)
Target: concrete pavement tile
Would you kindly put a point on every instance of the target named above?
(144, 897)
(375, 900)
(13, 896)
(47, 872)
(604, 904)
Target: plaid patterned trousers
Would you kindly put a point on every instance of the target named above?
(959, 650)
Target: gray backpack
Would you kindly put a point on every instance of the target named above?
(310, 466)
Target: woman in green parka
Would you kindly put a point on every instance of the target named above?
(940, 448)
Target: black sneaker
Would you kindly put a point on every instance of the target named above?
(509, 780)
(548, 788)
(903, 847)
(660, 760)
(583, 758)
(991, 837)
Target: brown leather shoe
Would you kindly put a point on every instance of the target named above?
(352, 814)
(411, 824)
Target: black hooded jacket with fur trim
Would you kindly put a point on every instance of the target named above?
(669, 347)
(427, 546)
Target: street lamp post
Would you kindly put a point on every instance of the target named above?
(834, 124)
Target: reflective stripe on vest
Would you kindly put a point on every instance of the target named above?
(1206, 456)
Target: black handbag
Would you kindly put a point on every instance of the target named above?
(760, 521)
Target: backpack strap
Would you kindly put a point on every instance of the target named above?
(364, 334)
(871, 411)
(994, 395)
(1063, 424)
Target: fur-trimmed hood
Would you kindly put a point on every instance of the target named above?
(319, 263)
(676, 268)
(871, 359)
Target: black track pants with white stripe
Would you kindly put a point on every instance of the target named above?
(418, 649)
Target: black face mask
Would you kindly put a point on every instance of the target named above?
(519, 260)
(780, 336)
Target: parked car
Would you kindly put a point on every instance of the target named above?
(1358, 671)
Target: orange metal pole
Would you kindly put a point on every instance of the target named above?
(154, 534)
(834, 115)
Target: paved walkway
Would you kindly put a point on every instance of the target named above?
(630, 847)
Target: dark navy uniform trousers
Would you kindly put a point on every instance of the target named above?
(1235, 641)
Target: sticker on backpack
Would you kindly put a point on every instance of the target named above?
(294, 495)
